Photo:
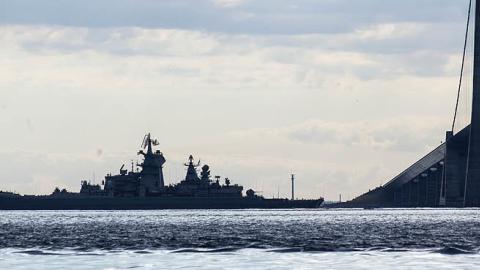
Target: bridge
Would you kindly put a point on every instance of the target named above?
(448, 176)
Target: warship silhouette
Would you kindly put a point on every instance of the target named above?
(146, 189)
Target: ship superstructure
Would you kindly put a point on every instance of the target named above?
(149, 181)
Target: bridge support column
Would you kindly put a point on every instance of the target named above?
(422, 190)
(405, 190)
(397, 197)
(433, 188)
(414, 193)
(455, 169)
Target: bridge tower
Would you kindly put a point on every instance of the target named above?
(450, 174)
(472, 180)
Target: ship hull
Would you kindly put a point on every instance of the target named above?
(148, 203)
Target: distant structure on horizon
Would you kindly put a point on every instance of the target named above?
(448, 176)
(146, 189)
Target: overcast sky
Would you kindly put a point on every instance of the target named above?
(344, 93)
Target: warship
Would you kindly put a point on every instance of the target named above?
(145, 188)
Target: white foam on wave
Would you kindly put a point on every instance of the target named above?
(241, 259)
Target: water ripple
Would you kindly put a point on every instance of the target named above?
(447, 231)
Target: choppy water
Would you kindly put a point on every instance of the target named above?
(268, 239)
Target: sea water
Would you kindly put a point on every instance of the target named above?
(241, 239)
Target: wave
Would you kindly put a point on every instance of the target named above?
(455, 251)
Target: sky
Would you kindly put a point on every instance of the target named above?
(345, 94)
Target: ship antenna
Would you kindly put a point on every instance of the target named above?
(148, 144)
(144, 141)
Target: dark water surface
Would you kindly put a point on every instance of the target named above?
(447, 231)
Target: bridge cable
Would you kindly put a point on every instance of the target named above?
(463, 64)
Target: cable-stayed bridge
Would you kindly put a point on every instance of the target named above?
(449, 175)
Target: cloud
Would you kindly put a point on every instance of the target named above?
(407, 134)
(232, 82)
(246, 17)
(228, 3)
(94, 57)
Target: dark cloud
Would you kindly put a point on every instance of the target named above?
(261, 17)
